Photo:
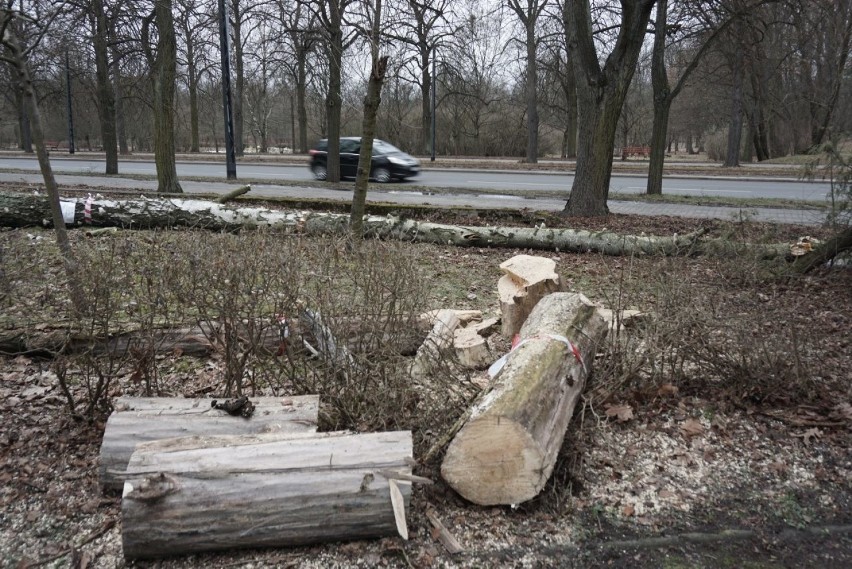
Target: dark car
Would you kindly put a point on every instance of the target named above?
(389, 162)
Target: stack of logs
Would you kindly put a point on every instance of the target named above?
(198, 479)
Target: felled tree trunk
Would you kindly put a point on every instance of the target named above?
(840, 242)
(506, 451)
(143, 419)
(203, 494)
(21, 210)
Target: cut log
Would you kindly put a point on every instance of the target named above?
(525, 281)
(472, 349)
(143, 419)
(270, 490)
(505, 452)
(27, 210)
(434, 349)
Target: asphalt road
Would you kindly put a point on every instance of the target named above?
(461, 178)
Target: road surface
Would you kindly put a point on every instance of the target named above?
(532, 181)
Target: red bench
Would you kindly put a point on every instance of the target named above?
(643, 151)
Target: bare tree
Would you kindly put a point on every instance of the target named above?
(528, 12)
(372, 101)
(163, 65)
(16, 57)
(601, 91)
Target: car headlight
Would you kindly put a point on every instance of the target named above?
(397, 160)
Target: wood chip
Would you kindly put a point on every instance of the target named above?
(398, 504)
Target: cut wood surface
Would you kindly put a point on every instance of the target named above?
(472, 349)
(506, 451)
(28, 210)
(265, 490)
(434, 349)
(526, 280)
(143, 419)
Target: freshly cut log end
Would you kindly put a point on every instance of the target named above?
(506, 451)
(526, 280)
(495, 462)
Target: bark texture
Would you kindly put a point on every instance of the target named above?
(601, 92)
(507, 449)
(145, 419)
(25, 210)
(267, 490)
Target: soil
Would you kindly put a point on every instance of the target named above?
(694, 475)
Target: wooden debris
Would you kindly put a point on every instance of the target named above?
(328, 346)
(144, 419)
(266, 490)
(505, 452)
(525, 281)
(434, 350)
(472, 350)
(234, 194)
(621, 319)
(447, 539)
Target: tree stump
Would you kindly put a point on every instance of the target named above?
(506, 451)
(525, 281)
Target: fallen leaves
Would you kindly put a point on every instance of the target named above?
(622, 412)
(691, 428)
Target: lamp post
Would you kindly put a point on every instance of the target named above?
(230, 157)
(68, 104)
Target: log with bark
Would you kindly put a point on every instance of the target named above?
(198, 494)
(506, 450)
(435, 349)
(142, 419)
(26, 210)
(526, 280)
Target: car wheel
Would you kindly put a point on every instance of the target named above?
(320, 172)
(382, 175)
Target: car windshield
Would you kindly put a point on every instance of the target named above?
(382, 147)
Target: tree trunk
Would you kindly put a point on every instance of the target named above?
(532, 92)
(164, 74)
(333, 99)
(425, 103)
(106, 97)
(506, 451)
(240, 84)
(269, 490)
(301, 106)
(120, 122)
(601, 92)
(21, 73)
(140, 420)
(569, 144)
(25, 139)
(735, 128)
(24, 210)
(192, 83)
(525, 281)
(662, 102)
(372, 100)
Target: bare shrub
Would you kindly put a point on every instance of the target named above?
(709, 332)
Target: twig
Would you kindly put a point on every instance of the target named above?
(234, 194)
(447, 539)
(391, 475)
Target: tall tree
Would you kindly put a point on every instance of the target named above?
(106, 96)
(331, 15)
(601, 91)
(528, 12)
(695, 44)
(15, 55)
(163, 66)
(421, 25)
(372, 100)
